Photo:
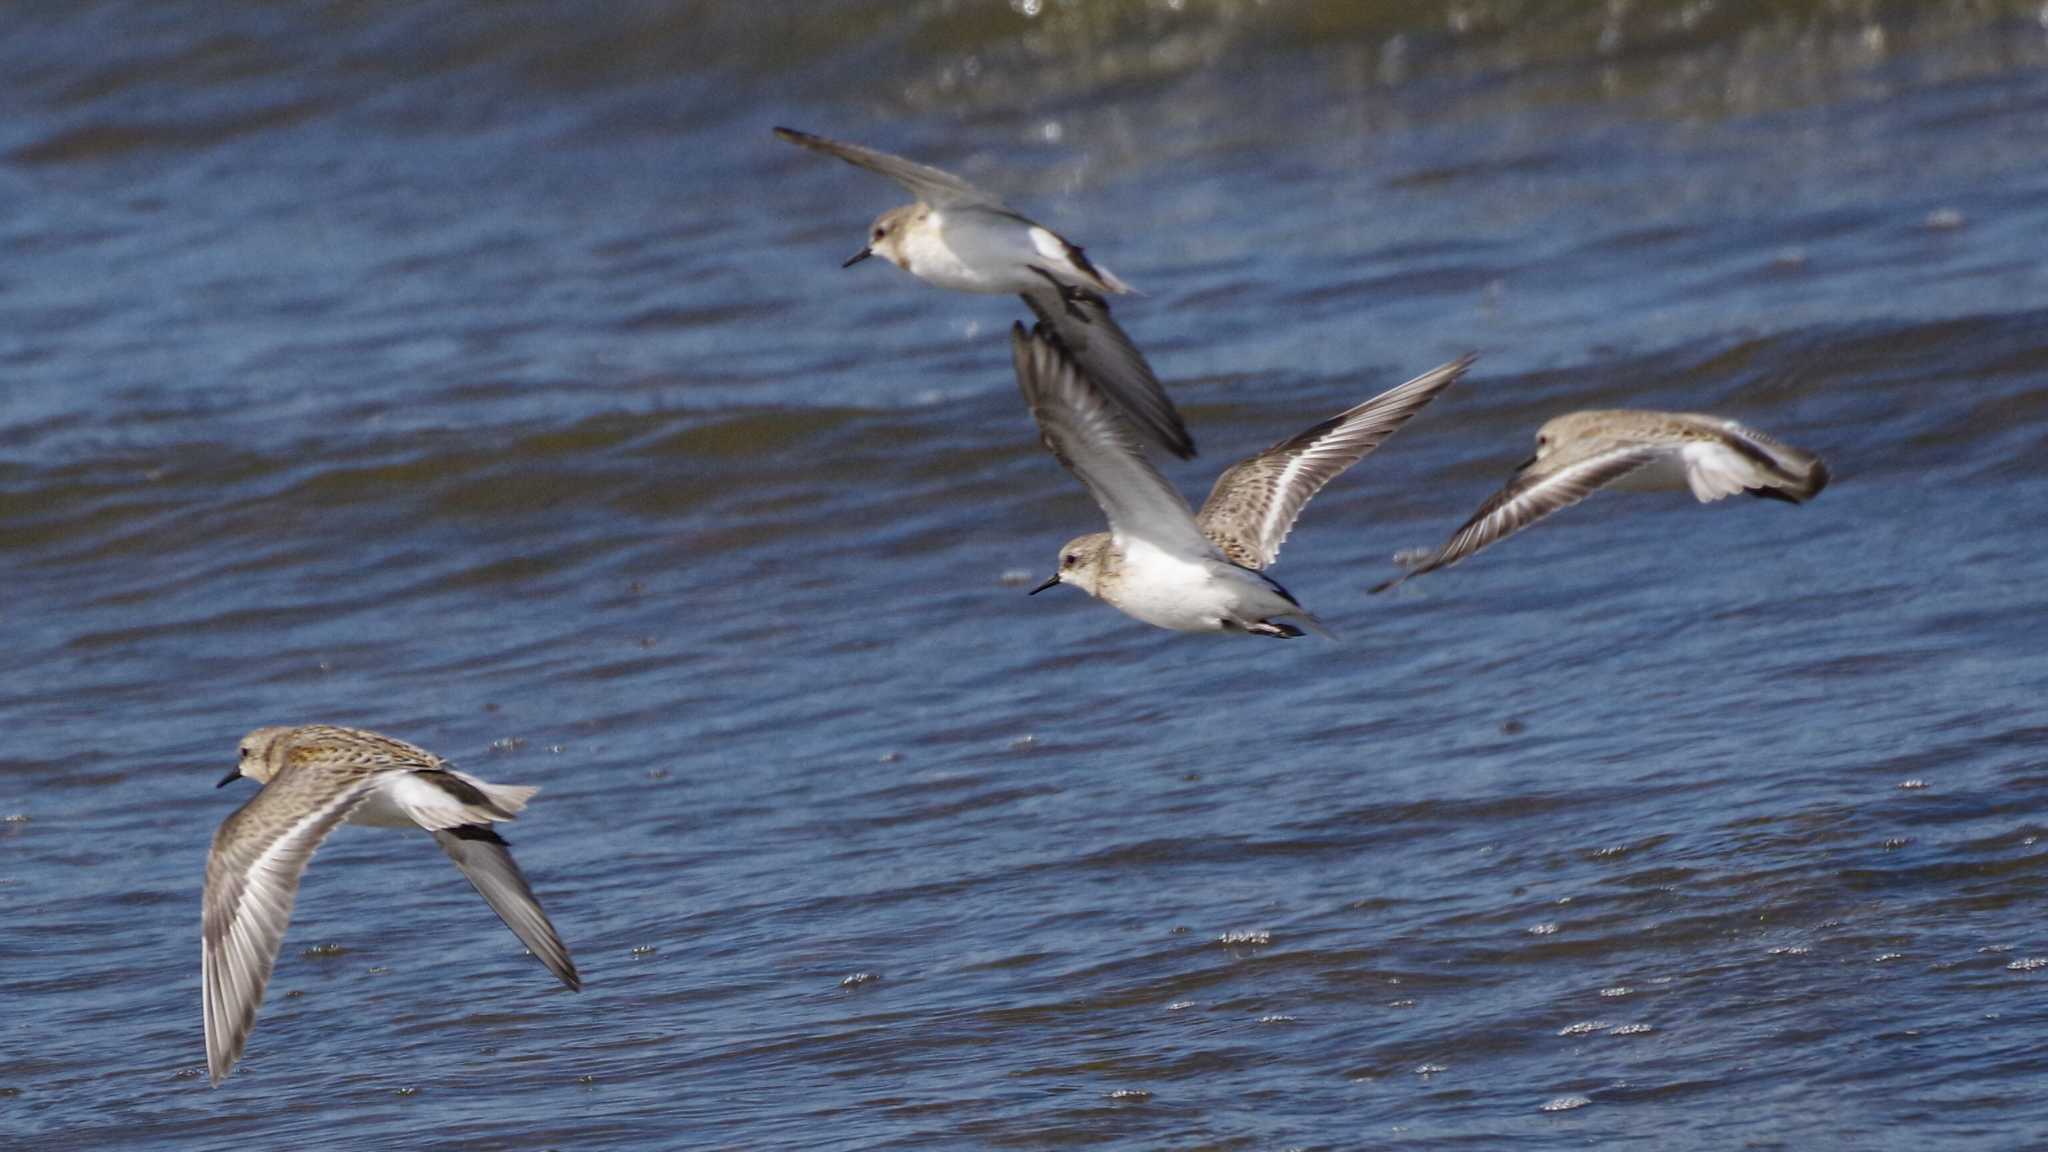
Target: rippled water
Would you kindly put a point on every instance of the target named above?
(485, 376)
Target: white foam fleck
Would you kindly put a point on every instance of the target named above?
(1547, 928)
(1630, 1030)
(2027, 964)
(1258, 936)
(1276, 1018)
(1564, 1103)
(1431, 1069)
(1790, 950)
(1180, 1005)
(1616, 992)
(860, 978)
(1912, 785)
(1130, 1094)
(1583, 1028)
(1888, 957)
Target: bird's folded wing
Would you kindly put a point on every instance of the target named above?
(1256, 501)
(1090, 437)
(935, 187)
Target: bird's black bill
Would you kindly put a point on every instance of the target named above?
(1049, 582)
(230, 778)
(858, 257)
(1525, 465)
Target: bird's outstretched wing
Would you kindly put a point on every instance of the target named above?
(1256, 501)
(485, 858)
(252, 876)
(1529, 497)
(938, 188)
(1099, 348)
(1091, 438)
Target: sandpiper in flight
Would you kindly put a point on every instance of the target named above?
(1580, 453)
(314, 778)
(960, 237)
(1162, 563)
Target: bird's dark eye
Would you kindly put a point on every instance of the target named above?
(1073, 557)
(245, 752)
(1543, 441)
(878, 233)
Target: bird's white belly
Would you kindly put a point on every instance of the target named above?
(976, 253)
(1172, 592)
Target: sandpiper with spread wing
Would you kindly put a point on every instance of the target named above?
(1159, 561)
(1631, 450)
(316, 777)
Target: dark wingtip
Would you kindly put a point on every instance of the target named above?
(1817, 478)
(789, 134)
(1397, 581)
(1021, 345)
(1165, 428)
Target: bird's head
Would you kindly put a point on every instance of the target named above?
(1081, 564)
(261, 754)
